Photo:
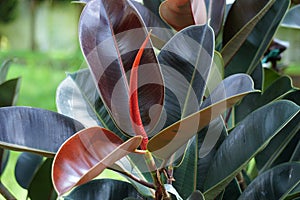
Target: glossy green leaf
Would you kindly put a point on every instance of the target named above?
(259, 21)
(9, 92)
(77, 97)
(230, 91)
(4, 157)
(293, 96)
(86, 154)
(26, 167)
(104, 189)
(296, 154)
(171, 190)
(35, 130)
(245, 141)
(153, 6)
(4, 70)
(41, 186)
(294, 194)
(274, 183)
(270, 155)
(254, 101)
(192, 171)
(185, 62)
(110, 45)
(183, 13)
(258, 77)
(216, 74)
(270, 76)
(197, 195)
(232, 190)
(215, 13)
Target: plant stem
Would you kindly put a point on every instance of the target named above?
(6, 193)
(147, 184)
(161, 193)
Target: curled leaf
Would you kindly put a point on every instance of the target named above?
(85, 155)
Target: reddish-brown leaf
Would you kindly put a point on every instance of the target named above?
(86, 154)
(182, 13)
(111, 32)
(134, 109)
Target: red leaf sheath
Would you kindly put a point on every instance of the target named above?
(134, 109)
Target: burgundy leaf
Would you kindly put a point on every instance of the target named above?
(111, 32)
(86, 154)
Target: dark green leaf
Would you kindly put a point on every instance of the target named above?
(4, 70)
(216, 11)
(277, 146)
(244, 55)
(104, 189)
(258, 77)
(232, 191)
(296, 154)
(26, 167)
(9, 92)
(197, 195)
(111, 33)
(197, 158)
(186, 61)
(294, 194)
(41, 186)
(153, 6)
(274, 183)
(270, 76)
(4, 156)
(216, 74)
(35, 130)
(77, 97)
(293, 96)
(247, 139)
(172, 138)
(253, 101)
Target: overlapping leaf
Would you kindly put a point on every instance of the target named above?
(192, 171)
(275, 183)
(9, 92)
(270, 156)
(249, 27)
(104, 189)
(169, 140)
(80, 159)
(111, 33)
(26, 167)
(45, 190)
(185, 62)
(77, 97)
(35, 130)
(253, 101)
(244, 142)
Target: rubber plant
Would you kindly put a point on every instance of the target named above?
(178, 106)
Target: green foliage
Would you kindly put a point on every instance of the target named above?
(164, 117)
(8, 10)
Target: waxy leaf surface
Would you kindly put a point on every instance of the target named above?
(111, 32)
(86, 154)
(36, 130)
(169, 140)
